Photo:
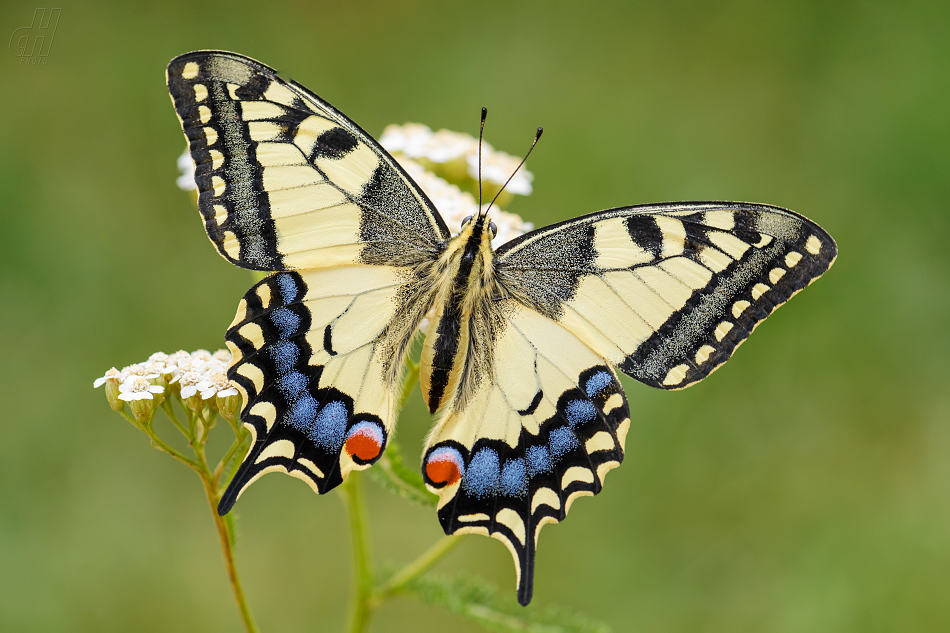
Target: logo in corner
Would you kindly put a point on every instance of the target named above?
(32, 43)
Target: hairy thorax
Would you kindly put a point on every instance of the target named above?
(466, 315)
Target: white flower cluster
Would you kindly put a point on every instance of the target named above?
(419, 142)
(455, 205)
(199, 372)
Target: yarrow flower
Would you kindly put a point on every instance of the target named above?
(199, 375)
(446, 150)
(138, 388)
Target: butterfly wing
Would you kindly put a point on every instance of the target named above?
(667, 292)
(664, 292)
(287, 183)
(538, 433)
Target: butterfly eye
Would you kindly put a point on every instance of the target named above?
(493, 228)
(467, 219)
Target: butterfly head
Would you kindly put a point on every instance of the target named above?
(491, 229)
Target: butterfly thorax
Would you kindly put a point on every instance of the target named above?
(456, 351)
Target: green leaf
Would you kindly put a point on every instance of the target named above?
(479, 601)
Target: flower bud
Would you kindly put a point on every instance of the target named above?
(229, 404)
(143, 409)
(112, 394)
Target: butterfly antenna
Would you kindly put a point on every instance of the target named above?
(481, 132)
(533, 143)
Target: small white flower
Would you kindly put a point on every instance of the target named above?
(159, 357)
(190, 366)
(112, 373)
(411, 139)
(143, 370)
(216, 383)
(223, 355)
(178, 356)
(138, 388)
(189, 381)
(187, 168)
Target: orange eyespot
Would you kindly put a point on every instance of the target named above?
(364, 442)
(443, 471)
(444, 466)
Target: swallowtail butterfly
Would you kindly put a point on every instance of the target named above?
(520, 359)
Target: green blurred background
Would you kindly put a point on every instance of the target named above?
(804, 487)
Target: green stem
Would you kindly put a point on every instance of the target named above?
(209, 481)
(238, 442)
(414, 569)
(131, 420)
(360, 608)
(162, 446)
(224, 536)
(157, 443)
(170, 412)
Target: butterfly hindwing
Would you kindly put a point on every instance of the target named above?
(538, 433)
(285, 181)
(317, 355)
(667, 292)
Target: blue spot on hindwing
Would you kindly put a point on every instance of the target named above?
(286, 322)
(514, 478)
(481, 477)
(330, 426)
(302, 412)
(579, 413)
(291, 384)
(562, 441)
(598, 382)
(287, 286)
(285, 355)
(539, 460)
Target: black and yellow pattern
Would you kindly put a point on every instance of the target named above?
(520, 356)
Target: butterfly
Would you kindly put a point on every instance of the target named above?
(520, 360)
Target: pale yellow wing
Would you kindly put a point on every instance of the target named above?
(542, 430)
(285, 181)
(317, 355)
(667, 292)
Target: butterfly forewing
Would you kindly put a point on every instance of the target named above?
(667, 292)
(284, 179)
